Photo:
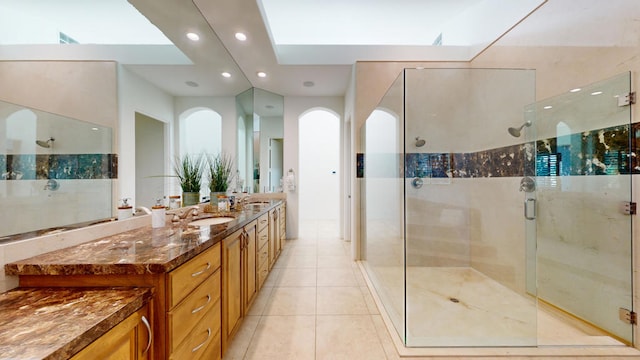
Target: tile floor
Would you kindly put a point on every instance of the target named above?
(315, 304)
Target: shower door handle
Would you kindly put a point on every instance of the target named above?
(526, 209)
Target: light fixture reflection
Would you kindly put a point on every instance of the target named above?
(193, 36)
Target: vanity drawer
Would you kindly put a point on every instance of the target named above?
(263, 256)
(263, 237)
(263, 221)
(189, 312)
(184, 279)
(204, 334)
(263, 272)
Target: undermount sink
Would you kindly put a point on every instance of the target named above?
(212, 221)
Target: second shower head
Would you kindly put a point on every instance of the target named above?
(419, 142)
(45, 144)
(516, 132)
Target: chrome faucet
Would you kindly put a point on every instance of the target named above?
(179, 216)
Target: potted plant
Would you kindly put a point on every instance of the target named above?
(190, 171)
(220, 174)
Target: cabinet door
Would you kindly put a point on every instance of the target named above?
(250, 266)
(273, 234)
(231, 284)
(128, 340)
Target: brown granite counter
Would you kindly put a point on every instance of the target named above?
(141, 251)
(56, 323)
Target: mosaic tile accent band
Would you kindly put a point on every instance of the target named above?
(58, 166)
(609, 151)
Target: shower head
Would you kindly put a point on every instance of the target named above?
(419, 142)
(515, 132)
(45, 144)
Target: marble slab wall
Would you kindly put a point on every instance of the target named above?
(597, 152)
(58, 166)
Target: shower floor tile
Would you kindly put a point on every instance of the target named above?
(463, 307)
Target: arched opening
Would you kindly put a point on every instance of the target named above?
(200, 132)
(319, 178)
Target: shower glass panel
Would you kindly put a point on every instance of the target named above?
(56, 172)
(465, 243)
(443, 238)
(583, 170)
(380, 173)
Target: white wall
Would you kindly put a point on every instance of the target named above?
(137, 95)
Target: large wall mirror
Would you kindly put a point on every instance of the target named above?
(260, 141)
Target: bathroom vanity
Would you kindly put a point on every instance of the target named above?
(202, 278)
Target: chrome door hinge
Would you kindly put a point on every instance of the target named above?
(629, 208)
(628, 316)
(627, 99)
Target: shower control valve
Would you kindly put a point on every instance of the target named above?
(417, 183)
(527, 184)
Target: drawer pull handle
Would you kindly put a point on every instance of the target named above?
(148, 326)
(202, 271)
(203, 306)
(204, 342)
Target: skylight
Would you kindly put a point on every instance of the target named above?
(305, 31)
(87, 22)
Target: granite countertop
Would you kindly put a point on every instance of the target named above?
(141, 251)
(56, 323)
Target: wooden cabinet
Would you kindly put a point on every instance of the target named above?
(193, 300)
(130, 339)
(263, 249)
(239, 278)
(277, 233)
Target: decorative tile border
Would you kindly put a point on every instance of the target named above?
(58, 166)
(597, 152)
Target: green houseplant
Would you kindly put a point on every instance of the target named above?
(220, 173)
(190, 170)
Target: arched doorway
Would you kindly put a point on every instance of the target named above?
(319, 178)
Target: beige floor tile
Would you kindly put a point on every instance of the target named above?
(291, 301)
(385, 338)
(347, 337)
(331, 247)
(369, 301)
(303, 250)
(336, 277)
(272, 277)
(297, 261)
(241, 341)
(340, 301)
(283, 338)
(296, 277)
(334, 261)
(261, 301)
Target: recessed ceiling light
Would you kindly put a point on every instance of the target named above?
(308, 84)
(94, 128)
(226, 74)
(575, 90)
(193, 36)
(261, 74)
(596, 93)
(192, 83)
(548, 107)
(241, 36)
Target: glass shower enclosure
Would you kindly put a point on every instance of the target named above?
(493, 220)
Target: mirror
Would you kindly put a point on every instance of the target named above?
(260, 141)
(54, 171)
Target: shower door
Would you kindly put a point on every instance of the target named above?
(583, 223)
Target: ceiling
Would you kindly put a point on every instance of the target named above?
(302, 42)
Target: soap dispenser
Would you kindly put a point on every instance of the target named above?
(125, 210)
(158, 214)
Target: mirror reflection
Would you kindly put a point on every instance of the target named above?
(260, 141)
(54, 170)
